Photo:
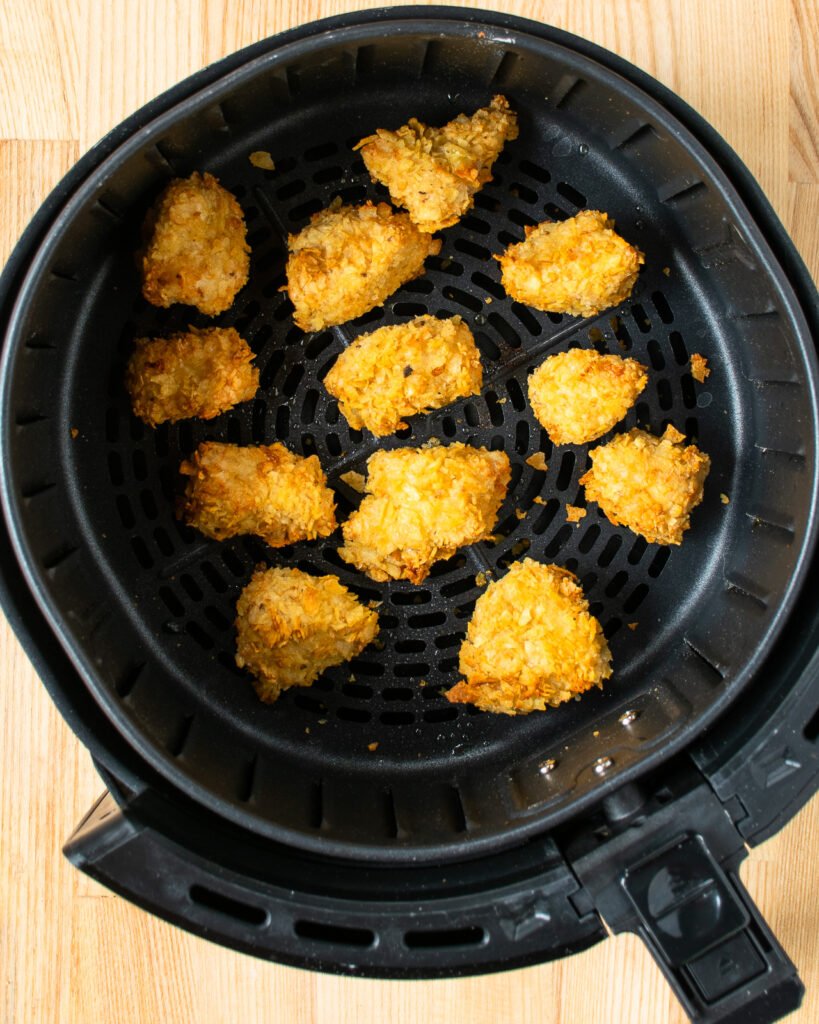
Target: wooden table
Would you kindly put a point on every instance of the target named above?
(70, 951)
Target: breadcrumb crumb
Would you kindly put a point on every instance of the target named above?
(405, 369)
(724, 499)
(349, 259)
(435, 172)
(632, 625)
(372, 747)
(291, 626)
(537, 461)
(531, 643)
(262, 159)
(264, 490)
(649, 484)
(196, 249)
(357, 481)
(421, 506)
(699, 368)
(574, 513)
(199, 373)
(579, 395)
(578, 266)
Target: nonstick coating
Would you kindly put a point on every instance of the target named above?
(145, 606)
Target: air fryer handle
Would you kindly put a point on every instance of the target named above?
(691, 910)
(715, 948)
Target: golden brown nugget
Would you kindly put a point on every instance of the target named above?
(531, 643)
(402, 370)
(649, 484)
(349, 259)
(578, 266)
(579, 395)
(423, 504)
(196, 249)
(264, 490)
(435, 172)
(290, 627)
(198, 373)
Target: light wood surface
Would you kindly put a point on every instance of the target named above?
(71, 952)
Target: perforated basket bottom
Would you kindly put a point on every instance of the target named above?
(397, 685)
(373, 753)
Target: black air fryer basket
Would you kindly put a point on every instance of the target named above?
(464, 842)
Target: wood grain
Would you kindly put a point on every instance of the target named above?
(72, 953)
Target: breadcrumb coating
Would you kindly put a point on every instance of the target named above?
(196, 249)
(579, 395)
(402, 370)
(198, 373)
(264, 490)
(435, 172)
(699, 368)
(423, 504)
(290, 627)
(578, 266)
(349, 259)
(649, 484)
(531, 643)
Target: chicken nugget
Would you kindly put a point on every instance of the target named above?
(265, 490)
(649, 484)
(531, 643)
(402, 370)
(577, 266)
(435, 172)
(579, 395)
(290, 627)
(196, 249)
(422, 504)
(349, 259)
(198, 373)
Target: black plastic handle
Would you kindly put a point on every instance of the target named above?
(665, 868)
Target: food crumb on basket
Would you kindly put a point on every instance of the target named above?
(538, 461)
(699, 368)
(574, 513)
(354, 480)
(74, 433)
(725, 499)
(633, 625)
(372, 747)
(538, 500)
(520, 513)
(481, 579)
(262, 159)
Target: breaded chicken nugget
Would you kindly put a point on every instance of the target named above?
(649, 484)
(193, 373)
(577, 266)
(402, 370)
(579, 395)
(531, 643)
(196, 249)
(435, 172)
(264, 490)
(349, 259)
(290, 627)
(422, 504)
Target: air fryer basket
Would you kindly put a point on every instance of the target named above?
(144, 606)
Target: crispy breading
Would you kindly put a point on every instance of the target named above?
(531, 643)
(290, 627)
(422, 504)
(198, 373)
(265, 490)
(537, 461)
(196, 249)
(405, 369)
(349, 259)
(578, 266)
(579, 395)
(649, 484)
(574, 513)
(435, 172)
(699, 368)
